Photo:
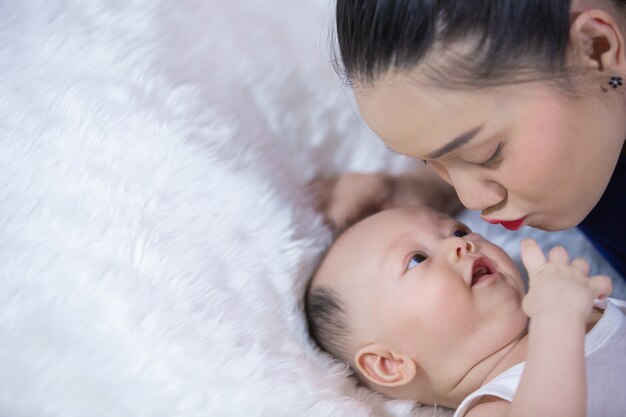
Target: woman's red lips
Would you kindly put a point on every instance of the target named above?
(508, 224)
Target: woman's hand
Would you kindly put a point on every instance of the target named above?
(557, 285)
(346, 199)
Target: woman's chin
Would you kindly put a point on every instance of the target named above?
(551, 224)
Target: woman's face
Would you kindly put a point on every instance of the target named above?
(521, 154)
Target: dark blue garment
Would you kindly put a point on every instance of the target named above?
(605, 225)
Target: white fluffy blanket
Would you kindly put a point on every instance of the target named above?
(156, 232)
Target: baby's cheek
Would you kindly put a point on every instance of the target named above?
(448, 308)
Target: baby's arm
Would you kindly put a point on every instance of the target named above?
(346, 199)
(558, 302)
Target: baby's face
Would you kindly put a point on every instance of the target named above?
(423, 285)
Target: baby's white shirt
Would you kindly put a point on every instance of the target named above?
(605, 356)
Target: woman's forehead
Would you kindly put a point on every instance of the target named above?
(416, 120)
(424, 118)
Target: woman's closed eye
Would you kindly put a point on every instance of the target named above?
(417, 259)
(495, 159)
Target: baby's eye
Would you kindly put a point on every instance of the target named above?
(417, 259)
(461, 232)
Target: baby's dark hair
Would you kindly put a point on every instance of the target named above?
(326, 313)
(327, 319)
(511, 40)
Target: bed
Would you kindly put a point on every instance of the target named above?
(157, 231)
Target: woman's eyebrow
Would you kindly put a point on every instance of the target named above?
(455, 143)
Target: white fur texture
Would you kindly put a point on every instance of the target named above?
(156, 232)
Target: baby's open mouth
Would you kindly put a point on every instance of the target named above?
(482, 269)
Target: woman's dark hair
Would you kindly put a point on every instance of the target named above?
(509, 40)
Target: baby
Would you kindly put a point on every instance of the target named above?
(422, 308)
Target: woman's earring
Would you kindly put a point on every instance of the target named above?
(615, 82)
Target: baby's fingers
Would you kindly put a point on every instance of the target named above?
(558, 254)
(601, 286)
(532, 255)
(581, 265)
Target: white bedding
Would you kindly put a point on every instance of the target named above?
(156, 233)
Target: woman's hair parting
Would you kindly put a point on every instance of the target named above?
(328, 321)
(502, 41)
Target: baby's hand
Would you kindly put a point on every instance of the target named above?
(346, 199)
(557, 285)
(351, 197)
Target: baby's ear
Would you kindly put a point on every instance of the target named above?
(383, 367)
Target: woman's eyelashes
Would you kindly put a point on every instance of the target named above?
(495, 159)
(417, 259)
(492, 162)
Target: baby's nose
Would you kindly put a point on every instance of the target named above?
(461, 247)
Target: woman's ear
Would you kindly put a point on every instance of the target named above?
(596, 41)
(383, 367)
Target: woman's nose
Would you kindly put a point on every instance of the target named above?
(477, 194)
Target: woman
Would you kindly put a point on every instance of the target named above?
(518, 104)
